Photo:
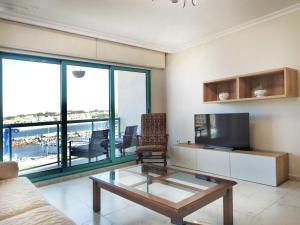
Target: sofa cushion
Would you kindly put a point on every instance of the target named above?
(46, 215)
(8, 170)
(19, 195)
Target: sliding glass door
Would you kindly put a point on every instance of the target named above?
(31, 113)
(61, 115)
(130, 103)
(87, 114)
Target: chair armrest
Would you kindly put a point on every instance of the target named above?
(8, 170)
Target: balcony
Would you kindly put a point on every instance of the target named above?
(37, 146)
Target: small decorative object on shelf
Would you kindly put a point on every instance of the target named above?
(223, 96)
(260, 91)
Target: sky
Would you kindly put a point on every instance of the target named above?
(31, 87)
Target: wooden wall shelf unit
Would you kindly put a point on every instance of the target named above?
(279, 83)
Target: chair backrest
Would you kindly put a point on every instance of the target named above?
(99, 140)
(129, 138)
(131, 130)
(154, 129)
(100, 134)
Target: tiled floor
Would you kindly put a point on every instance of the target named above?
(254, 204)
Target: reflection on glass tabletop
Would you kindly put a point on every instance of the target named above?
(169, 184)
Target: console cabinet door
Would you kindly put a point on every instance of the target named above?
(211, 161)
(259, 169)
(183, 157)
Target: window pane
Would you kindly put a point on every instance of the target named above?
(88, 96)
(31, 94)
(35, 146)
(130, 104)
(88, 114)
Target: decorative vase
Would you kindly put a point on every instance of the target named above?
(224, 96)
(260, 93)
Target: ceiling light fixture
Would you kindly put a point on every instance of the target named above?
(193, 2)
(78, 73)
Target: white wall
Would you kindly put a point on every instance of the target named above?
(20, 36)
(131, 98)
(275, 124)
(158, 101)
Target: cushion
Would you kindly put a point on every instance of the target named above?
(46, 215)
(8, 170)
(18, 195)
(151, 148)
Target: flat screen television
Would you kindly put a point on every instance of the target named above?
(229, 130)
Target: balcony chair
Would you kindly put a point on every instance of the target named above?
(96, 146)
(128, 140)
(153, 138)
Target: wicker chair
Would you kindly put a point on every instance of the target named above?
(153, 138)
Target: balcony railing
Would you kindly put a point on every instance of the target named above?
(38, 144)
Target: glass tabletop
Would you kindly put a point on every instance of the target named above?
(168, 184)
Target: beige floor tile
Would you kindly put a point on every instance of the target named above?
(291, 199)
(279, 215)
(137, 215)
(253, 204)
(96, 219)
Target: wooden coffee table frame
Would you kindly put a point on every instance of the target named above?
(175, 211)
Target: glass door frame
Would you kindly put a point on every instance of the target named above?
(147, 73)
(65, 170)
(1, 111)
(64, 108)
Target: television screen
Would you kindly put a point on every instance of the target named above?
(223, 130)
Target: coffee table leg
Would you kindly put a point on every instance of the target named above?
(228, 208)
(96, 197)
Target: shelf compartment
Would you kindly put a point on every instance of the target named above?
(213, 89)
(273, 83)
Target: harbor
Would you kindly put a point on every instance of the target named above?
(37, 144)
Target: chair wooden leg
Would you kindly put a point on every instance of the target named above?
(165, 159)
(139, 156)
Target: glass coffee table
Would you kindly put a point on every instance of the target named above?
(170, 192)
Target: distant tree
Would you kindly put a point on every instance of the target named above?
(39, 114)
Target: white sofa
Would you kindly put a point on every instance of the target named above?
(22, 204)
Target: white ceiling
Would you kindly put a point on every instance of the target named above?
(158, 25)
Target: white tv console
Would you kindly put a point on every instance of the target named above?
(265, 167)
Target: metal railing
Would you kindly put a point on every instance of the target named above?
(12, 132)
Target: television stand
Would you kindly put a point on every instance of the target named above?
(265, 167)
(218, 148)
